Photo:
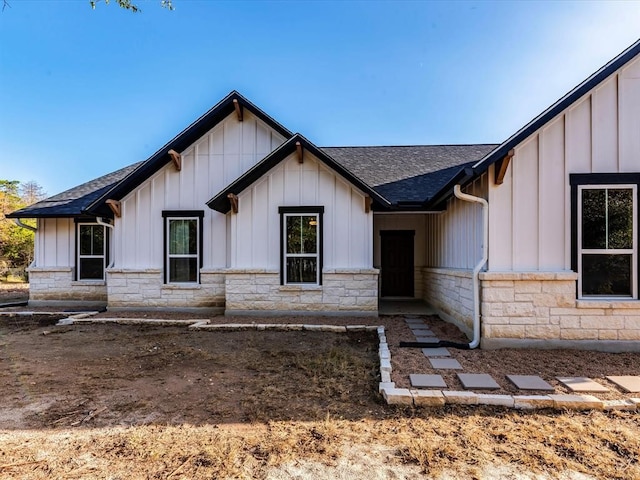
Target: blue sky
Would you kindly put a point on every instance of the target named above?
(84, 92)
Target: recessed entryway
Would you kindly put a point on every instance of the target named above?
(396, 263)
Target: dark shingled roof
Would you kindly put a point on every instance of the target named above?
(74, 201)
(408, 173)
(404, 174)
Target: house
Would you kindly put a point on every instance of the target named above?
(533, 242)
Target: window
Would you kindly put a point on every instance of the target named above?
(606, 239)
(183, 246)
(301, 241)
(92, 251)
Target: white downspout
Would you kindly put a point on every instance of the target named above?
(100, 221)
(476, 270)
(18, 222)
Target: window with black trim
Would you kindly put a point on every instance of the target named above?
(183, 246)
(605, 235)
(301, 245)
(91, 251)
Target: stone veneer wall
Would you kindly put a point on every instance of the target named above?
(450, 291)
(540, 309)
(129, 288)
(49, 285)
(353, 291)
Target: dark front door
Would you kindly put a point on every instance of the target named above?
(397, 263)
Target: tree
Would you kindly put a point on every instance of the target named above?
(132, 7)
(126, 4)
(16, 243)
(31, 192)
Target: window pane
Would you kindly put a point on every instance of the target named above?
(85, 240)
(620, 213)
(183, 237)
(91, 269)
(183, 270)
(98, 239)
(302, 236)
(302, 270)
(606, 275)
(594, 223)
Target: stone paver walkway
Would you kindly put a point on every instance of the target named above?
(440, 359)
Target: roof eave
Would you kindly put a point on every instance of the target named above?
(461, 178)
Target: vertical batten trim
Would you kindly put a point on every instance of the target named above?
(512, 172)
(591, 152)
(541, 142)
(618, 144)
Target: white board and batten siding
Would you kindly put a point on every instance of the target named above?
(255, 229)
(210, 164)
(454, 237)
(530, 213)
(55, 243)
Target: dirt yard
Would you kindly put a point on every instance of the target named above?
(13, 292)
(122, 402)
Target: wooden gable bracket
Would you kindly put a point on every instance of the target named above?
(238, 108)
(299, 152)
(176, 158)
(367, 204)
(115, 207)
(501, 167)
(234, 202)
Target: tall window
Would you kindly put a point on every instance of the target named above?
(183, 240)
(607, 240)
(301, 241)
(92, 251)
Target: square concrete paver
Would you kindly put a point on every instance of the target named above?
(423, 332)
(427, 381)
(445, 363)
(427, 339)
(582, 384)
(436, 352)
(629, 383)
(529, 382)
(478, 381)
(416, 325)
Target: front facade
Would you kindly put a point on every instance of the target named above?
(237, 214)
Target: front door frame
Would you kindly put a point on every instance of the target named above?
(407, 286)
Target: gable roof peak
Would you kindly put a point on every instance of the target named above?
(183, 140)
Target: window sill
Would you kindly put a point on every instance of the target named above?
(300, 288)
(90, 283)
(183, 286)
(610, 303)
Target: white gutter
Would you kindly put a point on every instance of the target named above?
(476, 270)
(18, 222)
(100, 221)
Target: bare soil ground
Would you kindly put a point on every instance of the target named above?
(13, 292)
(121, 402)
(547, 364)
